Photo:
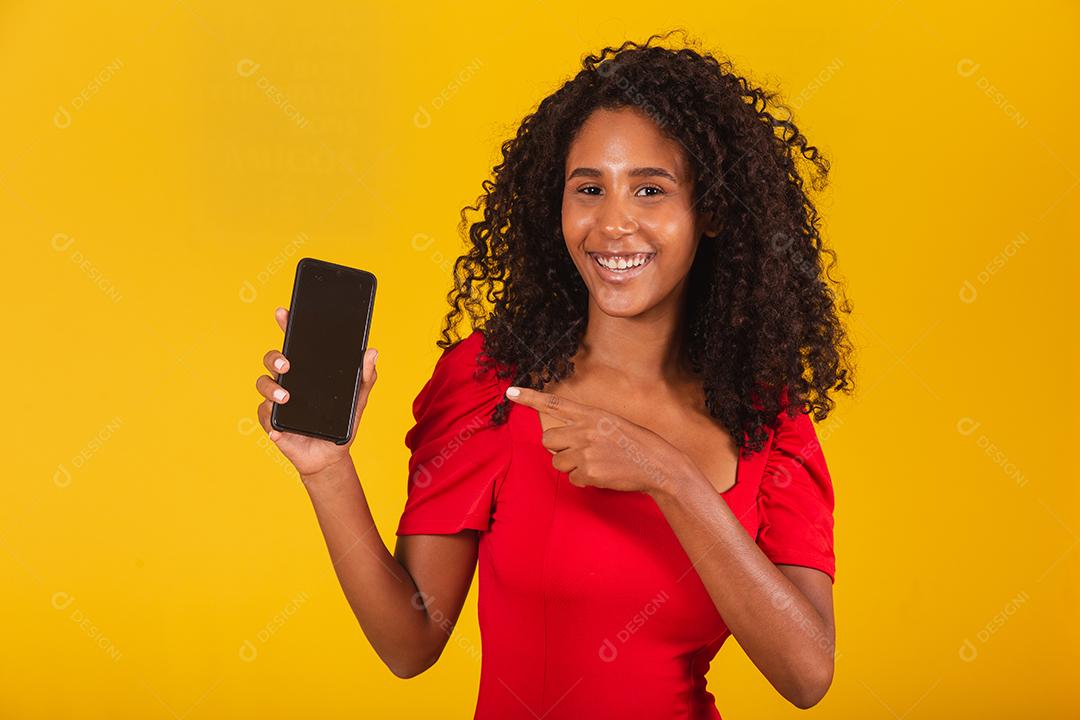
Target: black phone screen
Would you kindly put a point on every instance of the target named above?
(325, 340)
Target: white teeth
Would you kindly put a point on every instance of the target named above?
(621, 262)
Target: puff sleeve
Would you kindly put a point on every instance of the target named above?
(459, 459)
(795, 501)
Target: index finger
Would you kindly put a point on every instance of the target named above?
(550, 403)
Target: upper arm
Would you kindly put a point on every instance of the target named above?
(818, 589)
(796, 504)
(442, 567)
(796, 501)
(816, 586)
(458, 462)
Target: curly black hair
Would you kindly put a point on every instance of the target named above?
(763, 330)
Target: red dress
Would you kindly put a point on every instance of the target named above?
(588, 605)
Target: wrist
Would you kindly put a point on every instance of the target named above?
(680, 475)
(330, 476)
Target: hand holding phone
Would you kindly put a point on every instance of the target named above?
(325, 372)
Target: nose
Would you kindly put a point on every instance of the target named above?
(615, 220)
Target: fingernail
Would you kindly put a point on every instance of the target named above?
(279, 395)
(375, 356)
(280, 363)
(512, 392)
(274, 434)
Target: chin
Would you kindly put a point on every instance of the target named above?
(621, 307)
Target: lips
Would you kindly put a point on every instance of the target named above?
(618, 268)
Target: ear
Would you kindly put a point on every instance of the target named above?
(712, 225)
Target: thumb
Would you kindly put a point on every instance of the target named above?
(284, 441)
(368, 377)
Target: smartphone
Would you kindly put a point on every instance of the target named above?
(325, 340)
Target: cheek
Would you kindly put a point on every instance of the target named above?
(674, 229)
(576, 222)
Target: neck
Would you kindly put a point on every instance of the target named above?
(646, 348)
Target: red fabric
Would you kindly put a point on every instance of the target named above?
(588, 605)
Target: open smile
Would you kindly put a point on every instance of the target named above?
(621, 267)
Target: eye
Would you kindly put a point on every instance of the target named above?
(589, 190)
(650, 191)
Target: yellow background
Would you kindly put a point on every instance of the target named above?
(165, 164)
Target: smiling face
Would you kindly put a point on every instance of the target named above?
(627, 212)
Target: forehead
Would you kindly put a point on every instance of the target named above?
(615, 140)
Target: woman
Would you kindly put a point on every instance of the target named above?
(623, 442)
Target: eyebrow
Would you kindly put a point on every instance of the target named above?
(635, 172)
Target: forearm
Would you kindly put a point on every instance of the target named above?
(773, 621)
(380, 591)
